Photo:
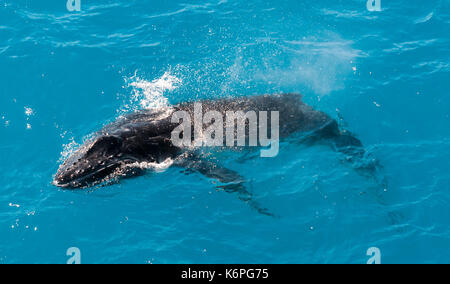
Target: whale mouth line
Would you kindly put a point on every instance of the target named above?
(83, 181)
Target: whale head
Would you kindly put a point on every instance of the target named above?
(93, 163)
(119, 150)
(111, 157)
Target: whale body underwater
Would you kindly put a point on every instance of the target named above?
(121, 148)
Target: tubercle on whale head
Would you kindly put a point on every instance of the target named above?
(91, 164)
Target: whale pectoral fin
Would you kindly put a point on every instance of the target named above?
(231, 180)
(247, 197)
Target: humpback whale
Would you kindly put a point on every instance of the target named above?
(120, 149)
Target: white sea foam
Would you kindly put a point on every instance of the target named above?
(68, 150)
(150, 94)
(29, 111)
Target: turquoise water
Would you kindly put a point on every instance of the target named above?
(386, 74)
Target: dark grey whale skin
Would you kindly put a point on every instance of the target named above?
(145, 136)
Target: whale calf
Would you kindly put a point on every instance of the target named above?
(123, 148)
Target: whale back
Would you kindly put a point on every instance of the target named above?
(294, 115)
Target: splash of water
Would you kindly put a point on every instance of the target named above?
(68, 150)
(150, 94)
(321, 66)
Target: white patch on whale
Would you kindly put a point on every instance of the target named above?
(157, 167)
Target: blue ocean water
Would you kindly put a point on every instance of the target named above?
(386, 73)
